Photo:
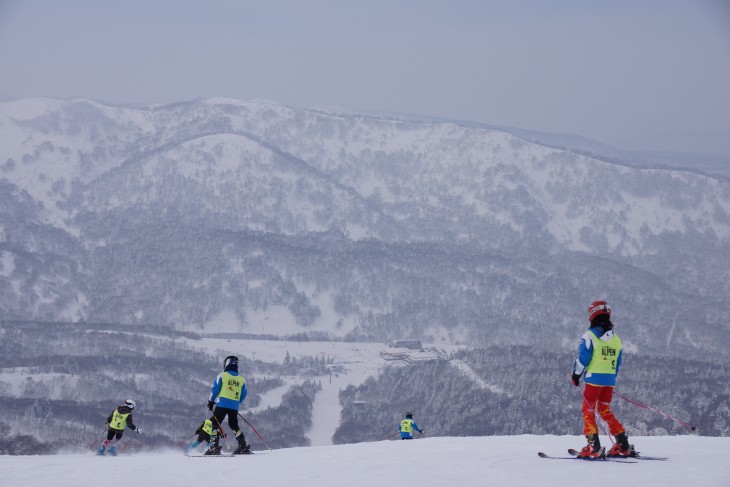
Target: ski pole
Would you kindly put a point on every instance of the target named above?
(386, 437)
(126, 445)
(220, 427)
(644, 406)
(96, 440)
(254, 430)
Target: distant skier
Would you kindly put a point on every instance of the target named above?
(407, 426)
(119, 419)
(228, 392)
(599, 361)
(204, 431)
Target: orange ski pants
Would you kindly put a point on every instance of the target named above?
(597, 399)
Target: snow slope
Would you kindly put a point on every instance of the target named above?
(425, 462)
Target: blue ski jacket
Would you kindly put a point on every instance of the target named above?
(225, 402)
(408, 435)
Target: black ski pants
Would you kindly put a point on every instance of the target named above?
(219, 415)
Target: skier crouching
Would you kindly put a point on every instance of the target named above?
(204, 431)
(119, 419)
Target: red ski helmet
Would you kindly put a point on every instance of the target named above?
(598, 308)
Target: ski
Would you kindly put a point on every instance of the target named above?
(227, 455)
(222, 455)
(588, 459)
(637, 457)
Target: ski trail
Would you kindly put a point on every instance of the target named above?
(357, 364)
(273, 397)
(464, 367)
(325, 413)
(671, 330)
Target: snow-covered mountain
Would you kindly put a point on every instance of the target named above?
(426, 462)
(223, 211)
(146, 242)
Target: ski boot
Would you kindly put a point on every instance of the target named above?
(242, 450)
(622, 448)
(213, 450)
(101, 451)
(113, 451)
(593, 449)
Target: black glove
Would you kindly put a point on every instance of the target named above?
(423, 431)
(211, 405)
(138, 431)
(576, 379)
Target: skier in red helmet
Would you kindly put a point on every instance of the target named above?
(599, 361)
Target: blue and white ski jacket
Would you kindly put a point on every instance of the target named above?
(225, 402)
(585, 354)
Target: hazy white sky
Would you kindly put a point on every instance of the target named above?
(608, 70)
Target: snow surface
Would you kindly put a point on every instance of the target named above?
(425, 462)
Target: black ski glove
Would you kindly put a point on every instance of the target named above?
(576, 379)
(211, 405)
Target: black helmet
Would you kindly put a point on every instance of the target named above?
(409, 415)
(231, 362)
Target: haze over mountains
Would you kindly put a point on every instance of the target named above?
(221, 211)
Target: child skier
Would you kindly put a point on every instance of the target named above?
(204, 431)
(407, 426)
(599, 361)
(119, 419)
(226, 396)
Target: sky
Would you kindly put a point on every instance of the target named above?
(619, 72)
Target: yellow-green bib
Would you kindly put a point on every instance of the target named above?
(605, 355)
(119, 420)
(232, 386)
(406, 426)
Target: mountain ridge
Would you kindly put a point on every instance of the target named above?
(103, 174)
